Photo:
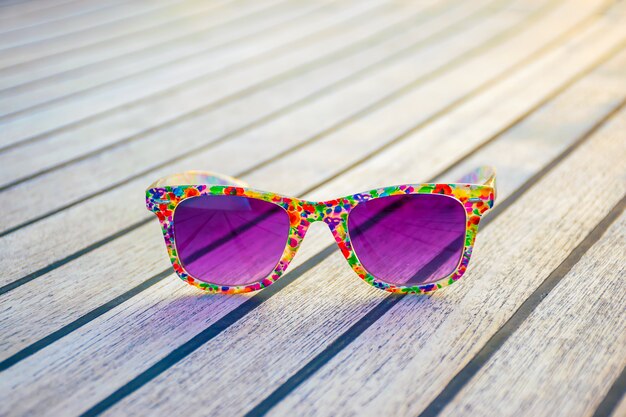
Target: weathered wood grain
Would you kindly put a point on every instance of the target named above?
(387, 121)
(183, 103)
(132, 17)
(77, 26)
(302, 127)
(565, 356)
(99, 52)
(189, 69)
(200, 53)
(15, 16)
(49, 119)
(358, 94)
(129, 14)
(190, 320)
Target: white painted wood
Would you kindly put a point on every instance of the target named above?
(565, 356)
(146, 334)
(147, 150)
(124, 97)
(189, 62)
(419, 104)
(185, 57)
(15, 10)
(404, 359)
(50, 12)
(77, 26)
(100, 52)
(128, 20)
(254, 107)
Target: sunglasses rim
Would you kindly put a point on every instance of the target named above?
(286, 239)
(476, 199)
(458, 263)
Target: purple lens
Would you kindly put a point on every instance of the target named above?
(408, 239)
(230, 240)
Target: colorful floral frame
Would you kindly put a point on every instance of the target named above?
(476, 191)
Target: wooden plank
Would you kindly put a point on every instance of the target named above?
(180, 44)
(565, 356)
(13, 19)
(182, 133)
(197, 54)
(52, 151)
(370, 128)
(127, 100)
(212, 127)
(20, 9)
(104, 48)
(140, 17)
(77, 26)
(143, 325)
(378, 373)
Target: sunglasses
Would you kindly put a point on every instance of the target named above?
(224, 237)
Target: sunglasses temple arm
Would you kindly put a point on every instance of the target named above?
(197, 177)
(484, 175)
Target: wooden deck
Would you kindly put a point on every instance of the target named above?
(315, 99)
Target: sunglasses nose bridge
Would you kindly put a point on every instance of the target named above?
(312, 211)
(335, 215)
(330, 212)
